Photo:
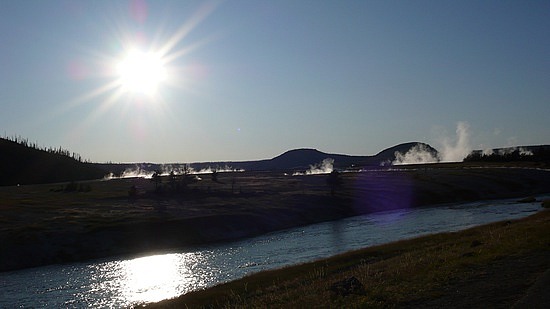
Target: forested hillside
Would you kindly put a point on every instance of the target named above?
(25, 163)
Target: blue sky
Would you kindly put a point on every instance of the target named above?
(252, 79)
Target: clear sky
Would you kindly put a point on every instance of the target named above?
(243, 80)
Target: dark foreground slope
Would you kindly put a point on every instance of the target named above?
(21, 164)
(40, 225)
(500, 265)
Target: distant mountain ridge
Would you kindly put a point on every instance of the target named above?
(291, 160)
(304, 158)
(21, 164)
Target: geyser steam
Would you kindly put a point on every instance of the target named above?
(459, 148)
(416, 155)
(325, 167)
(166, 169)
(451, 150)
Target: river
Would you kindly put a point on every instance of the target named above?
(122, 282)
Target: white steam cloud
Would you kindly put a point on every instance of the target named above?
(418, 154)
(525, 152)
(324, 167)
(451, 150)
(210, 170)
(135, 172)
(457, 149)
(177, 169)
(508, 151)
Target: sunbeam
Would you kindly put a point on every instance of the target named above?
(186, 28)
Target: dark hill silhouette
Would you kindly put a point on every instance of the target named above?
(302, 159)
(21, 164)
(299, 157)
(292, 160)
(388, 155)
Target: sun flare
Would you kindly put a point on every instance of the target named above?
(141, 72)
(141, 68)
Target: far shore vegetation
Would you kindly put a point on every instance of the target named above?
(76, 221)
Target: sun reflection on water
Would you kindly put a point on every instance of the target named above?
(151, 278)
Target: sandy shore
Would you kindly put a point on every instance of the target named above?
(42, 225)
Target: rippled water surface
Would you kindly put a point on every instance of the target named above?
(119, 282)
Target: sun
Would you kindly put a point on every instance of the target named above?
(141, 72)
(141, 68)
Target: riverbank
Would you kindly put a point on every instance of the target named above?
(47, 224)
(500, 265)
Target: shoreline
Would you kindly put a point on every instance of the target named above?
(108, 224)
(504, 264)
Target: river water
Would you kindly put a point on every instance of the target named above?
(122, 282)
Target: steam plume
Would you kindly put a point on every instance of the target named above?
(525, 152)
(451, 150)
(324, 167)
(166, 169)
(457, 149)
(510, 150)
(416, 155)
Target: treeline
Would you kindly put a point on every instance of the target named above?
(56, 151)
(22, 162)
(524, 154)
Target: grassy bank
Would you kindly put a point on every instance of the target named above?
(486, 266)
